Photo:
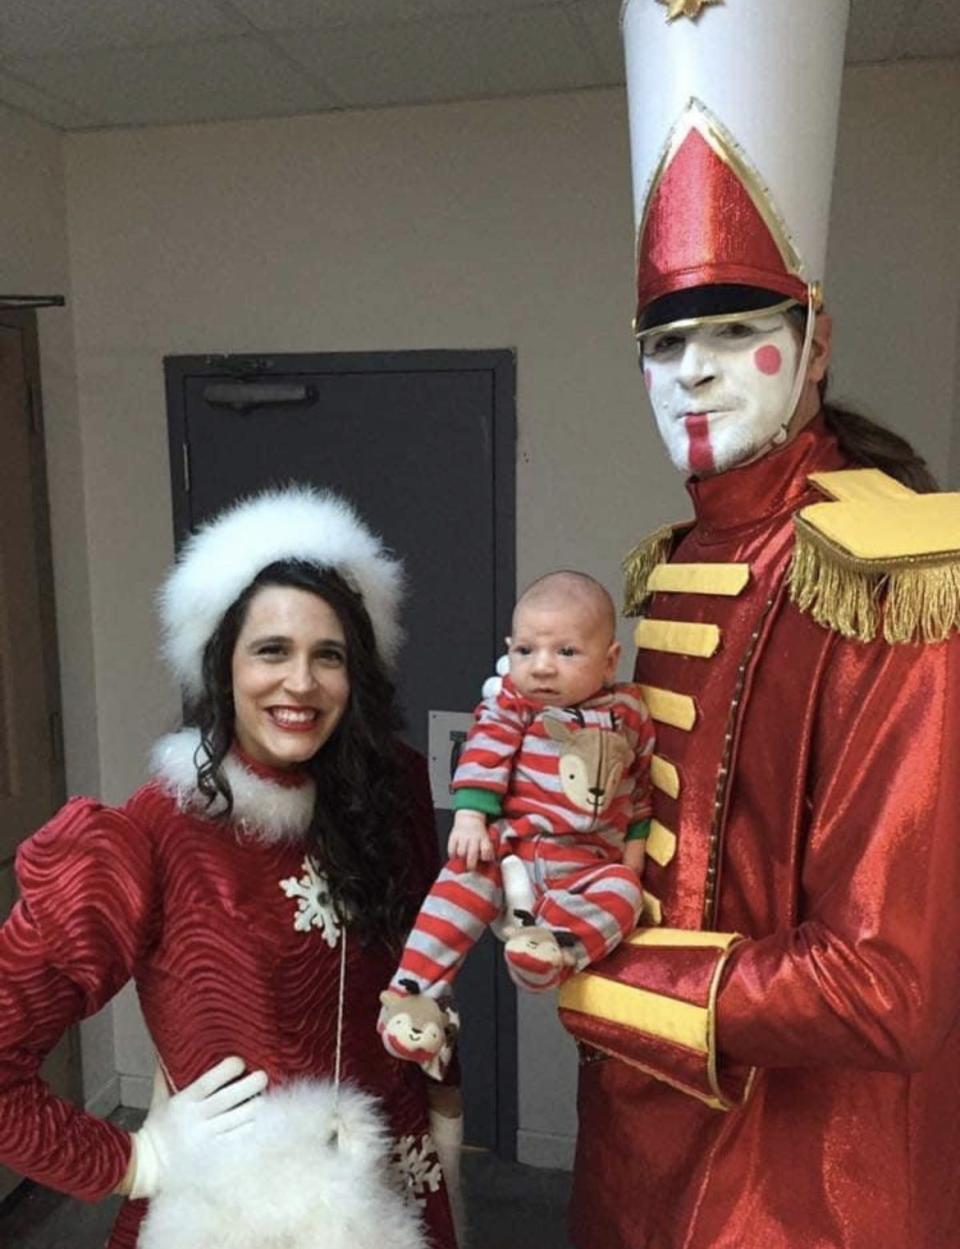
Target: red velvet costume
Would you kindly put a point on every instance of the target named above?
(817, 815)
(194, 911)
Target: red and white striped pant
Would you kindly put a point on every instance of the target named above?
(576, 890)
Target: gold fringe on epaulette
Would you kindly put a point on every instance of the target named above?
(916, 601)
(638, 566)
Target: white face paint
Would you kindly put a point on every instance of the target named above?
(720, 391)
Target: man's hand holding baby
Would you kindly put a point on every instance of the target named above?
(470, 839)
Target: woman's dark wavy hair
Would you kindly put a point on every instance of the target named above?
(361, 827)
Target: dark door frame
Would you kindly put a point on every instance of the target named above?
(501, 364)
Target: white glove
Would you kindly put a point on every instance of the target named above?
(446, 1132)
(216, 1103)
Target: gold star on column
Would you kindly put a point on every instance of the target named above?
(686, 8)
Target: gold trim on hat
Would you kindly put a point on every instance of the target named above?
(715, 318)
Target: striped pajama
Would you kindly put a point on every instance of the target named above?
(598, 902)
(572, 855)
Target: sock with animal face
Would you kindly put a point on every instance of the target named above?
(539, 959)
(412, 1025)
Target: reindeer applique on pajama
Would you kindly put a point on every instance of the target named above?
(563, 788)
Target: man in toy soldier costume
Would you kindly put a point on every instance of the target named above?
(772, 1061)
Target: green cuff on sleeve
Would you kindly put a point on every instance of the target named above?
(483, 800)
(639, 831)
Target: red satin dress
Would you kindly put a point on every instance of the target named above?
(226, 960)
(817, 812)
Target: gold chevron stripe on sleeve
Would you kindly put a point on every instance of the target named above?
(661, 843)
(652, 911)
(726, 579)
(664, 776)
(682, 937)
(682, 1023)
(677, 710)
(678, 637)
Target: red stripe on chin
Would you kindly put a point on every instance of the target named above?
(701, 452)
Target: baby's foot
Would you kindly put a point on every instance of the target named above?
(537, 958)
(416, 1028)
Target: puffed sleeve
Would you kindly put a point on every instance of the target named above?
(84, 917)
(869, 977)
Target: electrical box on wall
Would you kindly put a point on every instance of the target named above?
(447, 731)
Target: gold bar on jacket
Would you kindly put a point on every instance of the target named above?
(677, 710)
(661, 843)
(726, 579)
(860, 485)
(664, 776)
(652, 911)
(678, 637)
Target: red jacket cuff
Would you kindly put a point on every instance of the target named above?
(652, 1004)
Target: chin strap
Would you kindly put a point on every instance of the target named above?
(780, 437)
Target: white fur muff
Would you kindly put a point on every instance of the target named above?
(309, 1174)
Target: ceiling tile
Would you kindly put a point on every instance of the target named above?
(312, 14)
(47, 27)
(933, 30)
(874, 25)
(201, 81)
(56, 112)
(446, 59)
(602, 20)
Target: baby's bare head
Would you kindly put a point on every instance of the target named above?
(574, 593)
(563, 648)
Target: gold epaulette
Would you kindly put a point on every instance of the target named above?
(641, 561)
(878, 558)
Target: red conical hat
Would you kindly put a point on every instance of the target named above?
(703, 226)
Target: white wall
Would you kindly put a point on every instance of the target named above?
(34, 260)
(894, 266)
(502, 223)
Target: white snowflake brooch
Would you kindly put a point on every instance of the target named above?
(417, 1167)
(314, 905)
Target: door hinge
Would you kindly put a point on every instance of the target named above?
(56, 737)
(34, 408)
(186, 466)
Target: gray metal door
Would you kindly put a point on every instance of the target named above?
(423, 443)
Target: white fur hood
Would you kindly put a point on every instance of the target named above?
(262, 808)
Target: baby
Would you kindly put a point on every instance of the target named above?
(554, 771)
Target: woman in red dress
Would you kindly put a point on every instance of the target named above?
(273, 862)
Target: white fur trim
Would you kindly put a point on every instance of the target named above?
(302, 1176)
(269, 812)
(219, 561)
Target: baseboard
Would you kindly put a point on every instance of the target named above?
(136, 1091)
(105, 1101)
(545, 1149)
